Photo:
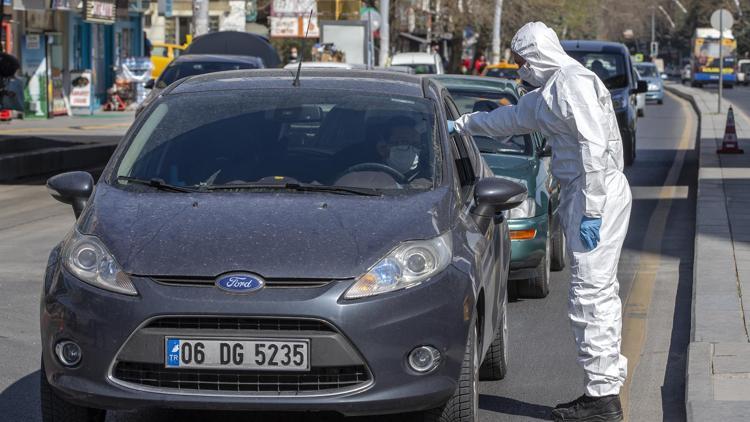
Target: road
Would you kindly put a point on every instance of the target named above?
(655, 275)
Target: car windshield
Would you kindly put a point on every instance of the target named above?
(745, 67)
(295, 137)
(422, 69)
(472, 101)
(646, 71)
(503, 73)
(181, 70)
(609, 67)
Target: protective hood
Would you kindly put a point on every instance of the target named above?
(540, 47)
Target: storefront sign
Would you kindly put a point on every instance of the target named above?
(80, 90)
(294, 27)
(61, 5)
(99, 11)
(293, 7)
(33, 41)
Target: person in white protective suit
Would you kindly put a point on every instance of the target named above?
(573, 109)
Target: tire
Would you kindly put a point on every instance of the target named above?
(660, 102)
(558, 256)
(55, 409)
(628, 151)
(495, 364)
(538, 287)
(463, 406)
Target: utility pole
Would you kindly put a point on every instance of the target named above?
(497, 26)
(200, 17)
(385, 32)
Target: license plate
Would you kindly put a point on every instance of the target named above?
(247, 354)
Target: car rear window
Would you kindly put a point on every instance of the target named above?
(609, 67)
(306, 136)
(181, 70)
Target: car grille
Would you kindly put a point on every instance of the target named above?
(270, 283)
(328, 379)
(241, 323)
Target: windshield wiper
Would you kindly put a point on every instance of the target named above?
(342, 190)
(156, 183)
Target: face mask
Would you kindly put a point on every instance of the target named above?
(527, 75)
(403, 158)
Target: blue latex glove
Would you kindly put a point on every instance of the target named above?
(590, 231)
(451, 127)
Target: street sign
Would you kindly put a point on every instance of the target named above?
(722, 16)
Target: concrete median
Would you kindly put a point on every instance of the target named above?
(718, 369)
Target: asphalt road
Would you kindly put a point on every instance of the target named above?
(655, 275)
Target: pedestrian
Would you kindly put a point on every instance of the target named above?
(573, 109)
(479, 64)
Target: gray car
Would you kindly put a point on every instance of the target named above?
(255, 244)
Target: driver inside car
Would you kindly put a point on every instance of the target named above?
(400, 147)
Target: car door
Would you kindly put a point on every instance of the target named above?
(491, 253)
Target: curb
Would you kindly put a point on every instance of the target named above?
(57, 159)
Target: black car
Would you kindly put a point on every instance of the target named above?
(255, 244)
(196, 64)
(611, 62)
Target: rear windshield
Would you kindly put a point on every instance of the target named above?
(177, 71)
(295, 136)
(609, 67)
(503, 73)
(422, 69)
(472, 101)
(646, 71)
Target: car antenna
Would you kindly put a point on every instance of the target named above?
(302, 53)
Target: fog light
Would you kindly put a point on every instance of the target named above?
(424, 359)
(68, 353)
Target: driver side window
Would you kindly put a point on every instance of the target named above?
(463, 163)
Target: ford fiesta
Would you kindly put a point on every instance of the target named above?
(256, 244)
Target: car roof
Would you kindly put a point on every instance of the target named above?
(476, 83)
(511, 66)
(594, 46)
(389, 83)
(217, 58)
(325, 65)
(413, 58)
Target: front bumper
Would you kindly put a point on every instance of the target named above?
(655, 95)
(379, 331)
(527, 254)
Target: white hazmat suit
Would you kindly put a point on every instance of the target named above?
(573, 109)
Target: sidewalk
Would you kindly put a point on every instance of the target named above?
(33, 147)
(718, 373)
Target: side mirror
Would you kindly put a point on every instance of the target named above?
(149, 84)
(493, 195)
(72, 188)
(641, 87)
(545, 151)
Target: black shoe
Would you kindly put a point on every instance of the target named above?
(589, 409)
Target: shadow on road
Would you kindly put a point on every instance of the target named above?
(20, 401)
(513, 407)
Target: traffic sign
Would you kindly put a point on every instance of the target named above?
(722, 16)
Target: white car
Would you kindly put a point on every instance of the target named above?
(325, 65)
(743, 72)
(422, 63)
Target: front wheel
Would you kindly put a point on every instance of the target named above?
(495, 364)
(55, 409)
(558, 255)
(463, 406)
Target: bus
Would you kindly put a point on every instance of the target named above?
(705, 57)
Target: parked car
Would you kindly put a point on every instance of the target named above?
(685, 74)
(195, 64)
(743, 71)
(161, 55)
(611, 62)
(325, 65)
(649, 73)
(422, 63)
(538, 242)
(254, 245)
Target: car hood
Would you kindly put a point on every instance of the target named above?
(275, 235)
(519, 168)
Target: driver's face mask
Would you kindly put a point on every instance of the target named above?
(528, 76)
(403, 158)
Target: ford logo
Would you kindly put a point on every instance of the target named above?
(240, 283)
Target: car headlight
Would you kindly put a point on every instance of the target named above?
(406, 266)
(653, 87)
(88, 259)
(527, 209)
